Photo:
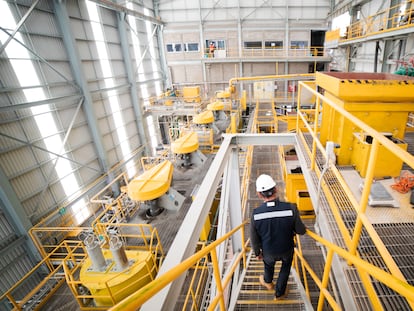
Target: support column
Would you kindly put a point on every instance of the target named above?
(141, 123)
(62, 18)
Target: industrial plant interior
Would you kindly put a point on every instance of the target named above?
(132, 134)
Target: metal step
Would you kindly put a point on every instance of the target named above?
(253, 296)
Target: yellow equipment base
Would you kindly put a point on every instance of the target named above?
(110, 286)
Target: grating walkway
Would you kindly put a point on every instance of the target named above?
(397, 237)
(253, 296)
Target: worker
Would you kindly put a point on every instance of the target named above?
(273, 226)
(212, 48)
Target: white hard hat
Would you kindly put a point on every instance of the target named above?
(264, 182)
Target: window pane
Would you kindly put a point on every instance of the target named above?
(253, 44)
(170, 48)
(298, 44)
(273, 44)
(192, 47)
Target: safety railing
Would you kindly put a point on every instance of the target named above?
(265, 117)
(201, 277)
(48, 275)
(397, 284)
(137, 299)
(149, 162)
(267, 52)
(208, 254)
(352, 236)
(390, 19)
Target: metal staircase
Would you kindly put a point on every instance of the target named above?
(253, 296)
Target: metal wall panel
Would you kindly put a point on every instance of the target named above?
(24, 158)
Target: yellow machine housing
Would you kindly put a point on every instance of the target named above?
(383, 101)
(304, 201)
(215, 106)
(191, 94)
(223, 94)
(151, 184)
(205, 117)
(387, 164)
(185, 144)
(294, 180)
(111, 286)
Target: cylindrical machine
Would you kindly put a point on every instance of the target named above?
(184, 160)
(154, 209)
(118, 253)
(95, 253)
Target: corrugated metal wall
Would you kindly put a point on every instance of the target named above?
(31, 188)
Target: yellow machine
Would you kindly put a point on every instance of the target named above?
(205, 117)
(191, 94)
(203, 125)
(382, 101)
(185, 144)
(151, 185)
(113, 274)
(216, 106)
(184, 147)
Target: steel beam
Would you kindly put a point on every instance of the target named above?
(46, 150)
(20, 24)
(53, 100)
(119, 8)
(62, 19)
(142, 130)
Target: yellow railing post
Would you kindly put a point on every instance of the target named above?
(303, 268)
(315, 132)
(365, 195)
(325, 278)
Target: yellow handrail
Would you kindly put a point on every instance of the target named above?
(142, 295)
(134, 301)
(393, 282)
(381, 21)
